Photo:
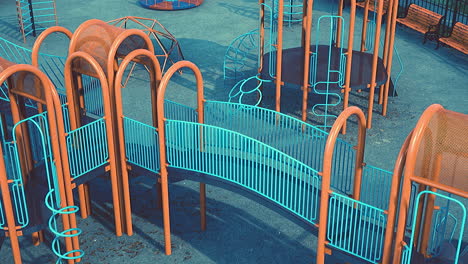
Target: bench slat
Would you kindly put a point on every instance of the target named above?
(420, 19)
(458, 39)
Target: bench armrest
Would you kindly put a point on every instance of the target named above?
(433, 28)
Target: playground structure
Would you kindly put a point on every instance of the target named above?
(325, 67)
(34, 16)
(291, 163)
(167, 49)
(435, 158)
(170, 4)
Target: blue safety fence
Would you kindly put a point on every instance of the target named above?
(448, 227)
(335, 74)
(176, 111)
(250, 163)
(375, 187)
(53, 67)
(295, 138)
(87, 148)
(141, 144)
(141, 140)
(39, 139)
(356, 227)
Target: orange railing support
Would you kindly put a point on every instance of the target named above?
(349, 58)
(57, 132)
(426, 172)
(155, 78)
(307, 27)
(40, 39)
(162, 144)
(393, 201)
(327, 168)
(73, 93)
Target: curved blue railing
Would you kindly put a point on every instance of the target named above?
(292, 11)
(292, 136)
(87, 148)
(239, 54)
(334, 73)
(52, 66)
(250, 163)
(455, 237)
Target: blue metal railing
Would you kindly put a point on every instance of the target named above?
(454, 237)
(356, 228)
(141, 144)
(87, 148)
(335, 73)
(294, 137)
(375, 187)
(248, 162)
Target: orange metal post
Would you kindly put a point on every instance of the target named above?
(40, 39)
(155, 77)
(279, 56)
(365, 20)
(339, 24)
(327, 167)
(56, 128)
(261, 3)
(306, 40)
(349, 58)
(393, 201)
(375, 59)
(162, 138)
(74, 123)
(388, 27)
(390, 56)
(426, 229)
(406, 185)
(106, 56)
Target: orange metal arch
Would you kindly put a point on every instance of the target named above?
(327, 167)
(155, 78)
(116, 44)
(57, 129)
(118, 39)
(412, 149)
(393, 200)
(72, 94)
(162, 145)
(40, 39)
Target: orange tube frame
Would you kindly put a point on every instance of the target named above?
(73, 93)
(410, 163)
(57, 130)
(155, 77)
(162, 145)
(327, 167)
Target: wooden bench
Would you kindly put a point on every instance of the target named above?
(458, 39)
(422, 20)
(373, 6)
